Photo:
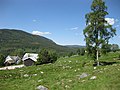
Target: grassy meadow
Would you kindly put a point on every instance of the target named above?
(64, 74)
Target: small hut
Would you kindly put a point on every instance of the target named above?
(12, 60)
(29, 59)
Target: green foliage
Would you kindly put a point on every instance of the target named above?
(46, 57)
(53, 56)
(119, 57)
(98, 31)
(78, 51)
(106, 48)
(2, 59)
(18, 52)
(81, 51)
(70, 54)
(114, 47)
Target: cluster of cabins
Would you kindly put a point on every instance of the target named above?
(28, 59)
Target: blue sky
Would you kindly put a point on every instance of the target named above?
(62, 21)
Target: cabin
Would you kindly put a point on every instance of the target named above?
(29, 59)
(12, 60)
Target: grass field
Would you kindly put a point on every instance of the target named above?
(64, 74)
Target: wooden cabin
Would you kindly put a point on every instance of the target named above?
(29, 59)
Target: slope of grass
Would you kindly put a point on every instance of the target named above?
(64, 75)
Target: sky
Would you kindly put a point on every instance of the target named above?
(62, 21)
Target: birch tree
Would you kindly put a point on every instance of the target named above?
(98, 31)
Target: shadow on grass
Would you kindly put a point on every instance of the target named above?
(104, 63)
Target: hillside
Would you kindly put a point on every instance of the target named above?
(65, 74)
(11, 40)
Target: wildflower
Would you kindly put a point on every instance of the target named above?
(39, 80)
(41, 72)
(93, 77)
(21, 70)
(34, 74)
(26, 75)
(66, 86)
(95, 67)
(38, 68)
(69, 80)
(83, 81)
(63, 67)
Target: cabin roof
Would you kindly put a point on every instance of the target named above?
(32, 56)
(12, 59)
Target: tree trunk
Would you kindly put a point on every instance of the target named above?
(97, 58)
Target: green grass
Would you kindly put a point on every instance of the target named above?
(64, 75)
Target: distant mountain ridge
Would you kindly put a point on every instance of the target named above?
(11, 40)
(75, 46)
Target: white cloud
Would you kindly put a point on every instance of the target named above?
(118, 25)
(118, 36)
(116, 20)
(111, 21)
(40, 33)
(75, 28)
(34, 20)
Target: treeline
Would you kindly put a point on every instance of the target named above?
(50, 56)
(110, 48)
(105, 50)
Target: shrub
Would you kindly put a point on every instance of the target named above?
(70, 54)
(81, 51)
(46, 57)
(2, 59)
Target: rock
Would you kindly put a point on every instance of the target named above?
(83, 75)
(93, 77)
(41, 88)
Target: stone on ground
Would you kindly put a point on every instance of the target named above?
(41, 88)
(83, 75)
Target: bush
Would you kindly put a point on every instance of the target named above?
(70, 54)
(2, 59)
(46, 57)
(81, 51)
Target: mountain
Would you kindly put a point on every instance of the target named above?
(15, 40)
(75, 46)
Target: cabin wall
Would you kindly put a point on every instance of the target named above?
(29, 62)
